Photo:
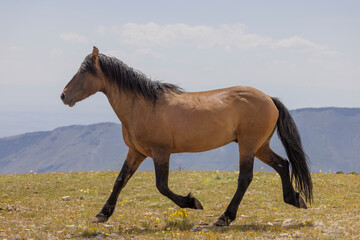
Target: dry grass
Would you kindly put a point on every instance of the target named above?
(31, 206)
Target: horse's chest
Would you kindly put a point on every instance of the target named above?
(137, 140)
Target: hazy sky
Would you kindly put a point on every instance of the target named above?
(305, 52)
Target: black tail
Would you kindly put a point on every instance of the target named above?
(290, 138)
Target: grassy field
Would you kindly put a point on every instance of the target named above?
(31, 206)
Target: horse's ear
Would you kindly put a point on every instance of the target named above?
(95, 54)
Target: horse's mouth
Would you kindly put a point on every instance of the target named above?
(70, 102)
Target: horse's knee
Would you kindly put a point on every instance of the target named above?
(245, 179)
(282, 165)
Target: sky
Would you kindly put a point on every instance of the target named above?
(307, 53)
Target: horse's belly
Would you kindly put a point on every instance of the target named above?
(202, 139)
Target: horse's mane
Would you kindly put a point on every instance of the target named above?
(129, 79)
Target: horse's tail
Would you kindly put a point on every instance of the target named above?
(290, 138)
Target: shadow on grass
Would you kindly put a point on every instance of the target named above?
(260, 227)
(263, 227)
(121, 232)
(139, 230)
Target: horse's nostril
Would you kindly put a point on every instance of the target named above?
(62, 96)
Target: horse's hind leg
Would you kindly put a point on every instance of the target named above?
(131, 164)
(161, 162)
(281, 166)
(245, 178)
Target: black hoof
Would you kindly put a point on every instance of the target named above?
(197, 204)
(296, 200)
(300, 203)
(100, 218)
(223, 221)
(194, 203)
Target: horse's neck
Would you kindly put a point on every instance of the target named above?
(123, 103)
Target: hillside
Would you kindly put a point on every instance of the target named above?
(331, 138)
(34, 209)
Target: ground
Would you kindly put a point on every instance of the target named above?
(62, 206)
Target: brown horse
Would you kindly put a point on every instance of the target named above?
(159, 119)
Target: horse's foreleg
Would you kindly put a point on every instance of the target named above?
(245, 178)
(161, 162)
(281, 166)
(131, 164)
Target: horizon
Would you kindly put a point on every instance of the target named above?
(119, 123)
(307, 54)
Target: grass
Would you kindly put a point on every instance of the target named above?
(31, 206)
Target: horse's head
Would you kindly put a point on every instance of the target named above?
(88, 80)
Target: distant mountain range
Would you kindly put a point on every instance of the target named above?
(331, 138)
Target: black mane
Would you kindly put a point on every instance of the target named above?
(128, 79)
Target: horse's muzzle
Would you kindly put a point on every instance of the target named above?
(66, 100)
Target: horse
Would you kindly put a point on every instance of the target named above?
(159, 119)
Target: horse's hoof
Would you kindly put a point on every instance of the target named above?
(193, 202)
(222, 221)
(100, 218)
(302, 203)
(197, 204)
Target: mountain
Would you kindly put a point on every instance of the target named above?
(331, 138)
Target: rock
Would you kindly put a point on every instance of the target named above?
(286, 222)
(107, 225)
(12, 208)
(284, 234)
(332, 232)
(113, 235)
(66, 198)
(270, 224)
(297, 234)
(198, 229)
(68, 236)
(318, 224)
